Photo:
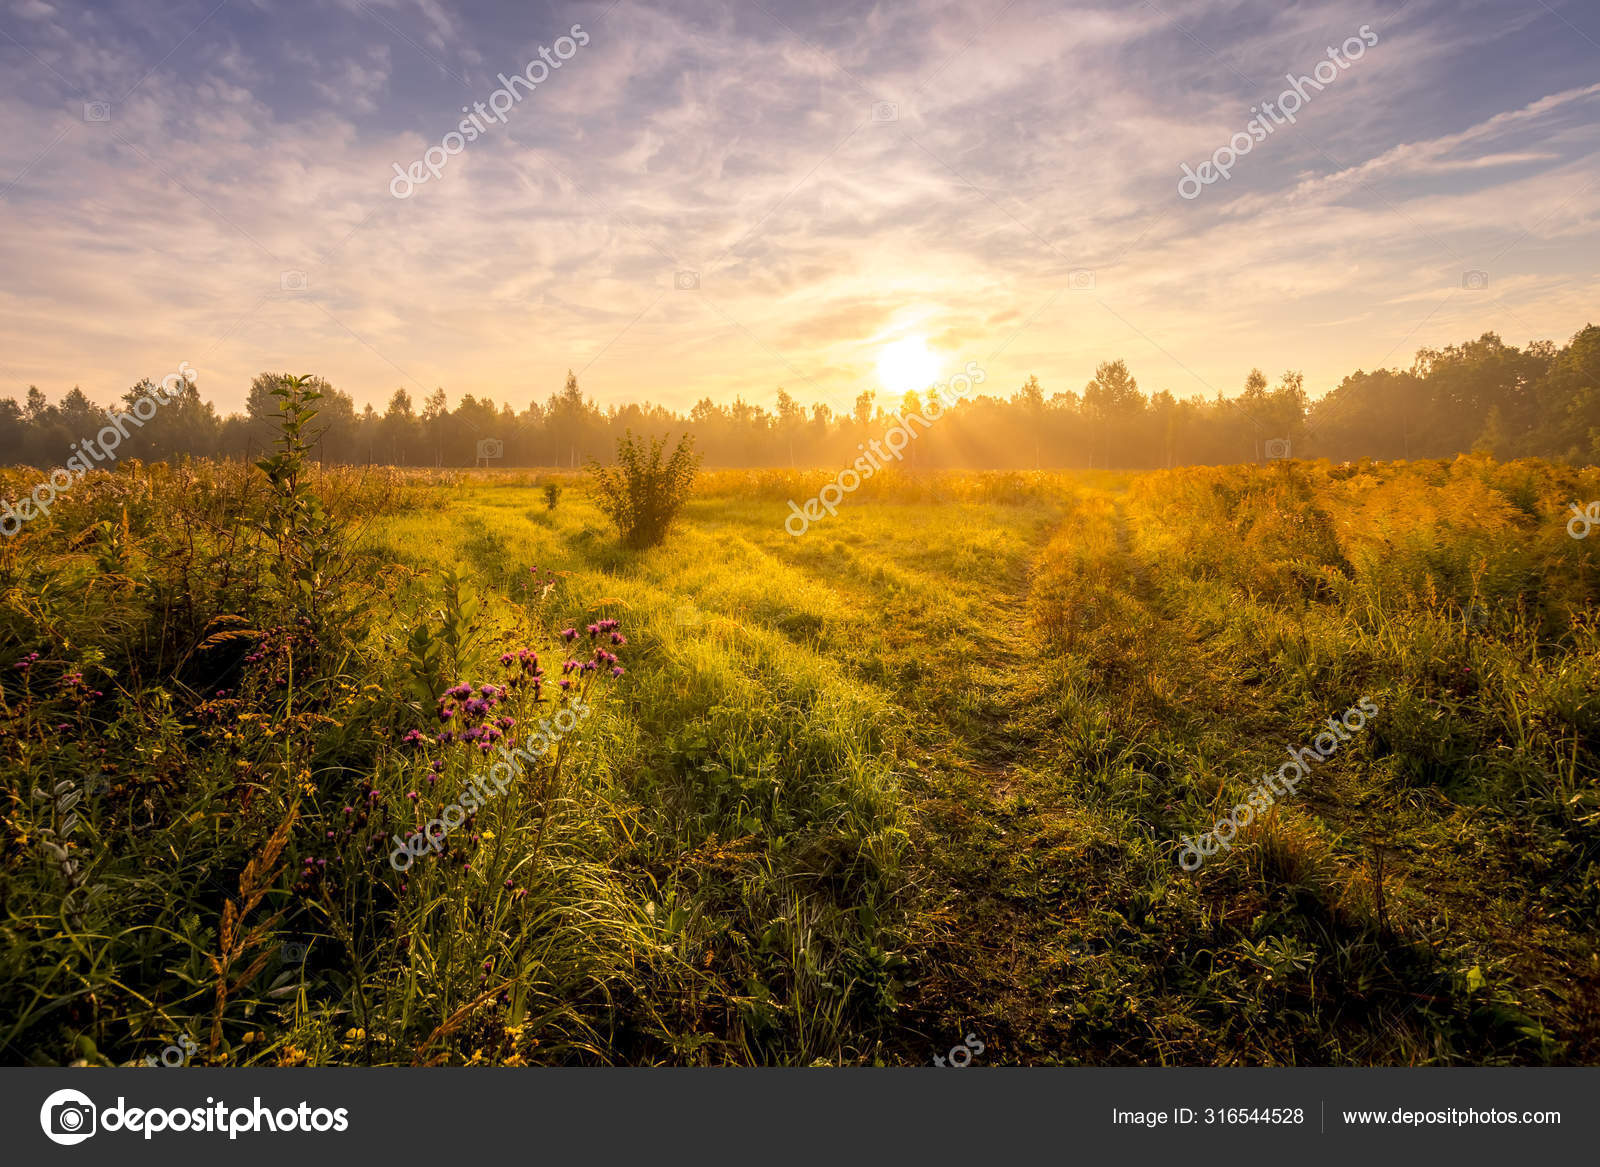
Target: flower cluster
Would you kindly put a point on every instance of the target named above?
(607, 628)
(364, 814)
(280, 647)
(74, 687)
(478, 724)
(476, 716)
(41, 707)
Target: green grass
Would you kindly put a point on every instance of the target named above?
(919, 773)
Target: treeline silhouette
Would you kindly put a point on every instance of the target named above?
(1482, 395)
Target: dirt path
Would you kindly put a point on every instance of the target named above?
(991, 964)
(1018, 870)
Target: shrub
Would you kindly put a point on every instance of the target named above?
(552, 495)
(641, 494)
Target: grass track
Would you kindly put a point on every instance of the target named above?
(923, 771)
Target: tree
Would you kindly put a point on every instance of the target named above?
(791, 421)
(435, 410)
(1492, 440)
(567, 420)
(11, 431)
(863, 409)
(38, 408)
(1028, 401)
(397, 432)
(1030, 397)
(1111, 400)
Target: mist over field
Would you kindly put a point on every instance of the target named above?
(1482, 396)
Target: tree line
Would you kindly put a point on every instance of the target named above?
(1482, 395)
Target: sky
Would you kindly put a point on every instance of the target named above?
(719, 199)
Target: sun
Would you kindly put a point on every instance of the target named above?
(907, 365)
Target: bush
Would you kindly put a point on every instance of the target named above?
(641, 494)
(552, 495)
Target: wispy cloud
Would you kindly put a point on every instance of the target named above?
(752, 144)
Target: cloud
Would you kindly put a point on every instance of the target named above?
(740, 143)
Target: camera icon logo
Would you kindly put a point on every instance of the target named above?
(1277, 449)
(292, 952)
(1080, 279)
(67, 1117)
(1475, 280)
(293, 281)
(491, 448)
(885, 111)
(97, 111)
(686, 281)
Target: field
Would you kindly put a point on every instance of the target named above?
(913, 785)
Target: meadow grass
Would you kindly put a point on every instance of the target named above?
(920, 772)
